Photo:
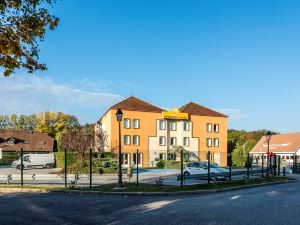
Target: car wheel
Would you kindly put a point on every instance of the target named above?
(213, 177)
(186, 174)
(19, 167)
(48, 166)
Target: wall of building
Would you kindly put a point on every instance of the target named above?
(149, 134)
(147, 128)
(199, 131)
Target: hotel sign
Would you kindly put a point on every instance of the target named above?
(175, 114)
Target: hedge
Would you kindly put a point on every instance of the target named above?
(169, 164)
(75, 165)
(9, 157)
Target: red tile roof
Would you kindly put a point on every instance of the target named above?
(198, 110)
(136, 104)
(283, 143)
(36, 141)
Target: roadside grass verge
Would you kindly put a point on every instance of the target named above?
(131, 187)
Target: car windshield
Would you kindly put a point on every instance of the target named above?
(212, 165)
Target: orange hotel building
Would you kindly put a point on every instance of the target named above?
(156, 133)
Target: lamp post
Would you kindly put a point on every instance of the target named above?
(268, 137)
(119, 115)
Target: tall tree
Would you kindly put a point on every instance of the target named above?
(23, 24)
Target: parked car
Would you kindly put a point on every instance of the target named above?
(200, 168)
(35, 160)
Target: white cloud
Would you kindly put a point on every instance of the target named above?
(96, 85)
(234, 114)
(31, 94)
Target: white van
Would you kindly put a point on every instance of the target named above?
(35, 160)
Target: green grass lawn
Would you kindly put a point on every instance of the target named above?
(131, 187)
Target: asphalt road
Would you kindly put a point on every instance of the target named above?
(279, 204)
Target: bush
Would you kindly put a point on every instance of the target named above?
(60, 159)
(169, 164)
(9, 157)
(105, 165)
(161, 164)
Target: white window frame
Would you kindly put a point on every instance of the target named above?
(175, 142)
(124, 157)
(129, 123)
(208, 142)
(216, 128)
(136, 159)
(186, 141)
(186, 123)
(129, 140)
(138, 139)
(138, 124)
(175, 126)
(164, 141)
(209, 127)
(163, 123)
(216, 142)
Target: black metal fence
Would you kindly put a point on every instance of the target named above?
(91, 169)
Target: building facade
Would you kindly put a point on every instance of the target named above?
(157, 133)
(30, 140)
(287, 146)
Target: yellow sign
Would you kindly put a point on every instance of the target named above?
(175, 114)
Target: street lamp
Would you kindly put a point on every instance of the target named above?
(119, 115)
(268, 137)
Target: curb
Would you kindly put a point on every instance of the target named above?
(177, 193)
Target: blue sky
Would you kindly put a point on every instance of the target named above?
(238, 57)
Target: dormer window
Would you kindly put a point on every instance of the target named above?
(11, 141)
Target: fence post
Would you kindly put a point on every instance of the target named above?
(208, 167)
(248, 166)
(278, 163)
(296, 166)
(283, 171)
(275, 165)
(22, 172)
(230, 165)
(137, 168)
(262, 166)
(65, 167)
(181, 168)
(91, 168)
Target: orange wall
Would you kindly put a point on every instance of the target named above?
(147, 128)
(199, 130)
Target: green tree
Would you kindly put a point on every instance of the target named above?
(23, 24)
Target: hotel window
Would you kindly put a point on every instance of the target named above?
(136, 140)
(162, 125)
(127, 123)
(208, 142)
(172, 125)
(137, 159)
(11, 142)
(125, 158)
(216, 142)
(136, 123)
(216, 128)
(172, 156)
(186, 126)
(127, 140)
(173, 141)
(162, 141)
(186, 141)
(209, 127)
(162, 156)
